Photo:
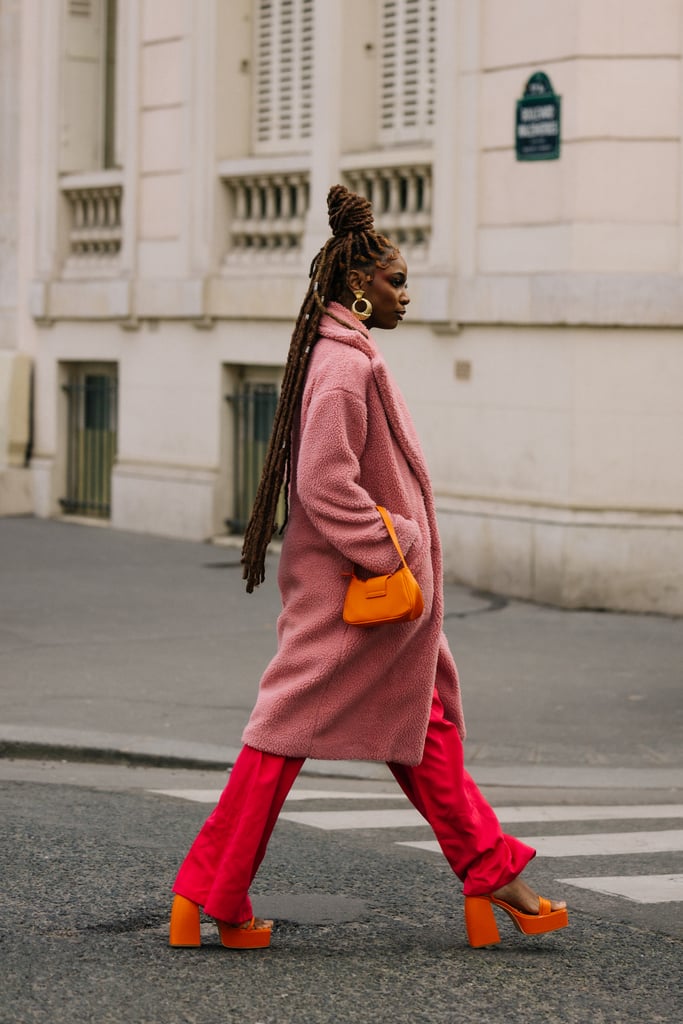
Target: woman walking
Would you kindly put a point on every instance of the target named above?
(343, 443)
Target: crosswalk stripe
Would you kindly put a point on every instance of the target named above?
(336, 821)
(644, 889)
(199, 796)
(332, 794)
(408, 817)
(607, 843)
(211, 796)
(637, 888)
(590, 812)
(332, 821)
(595, 844)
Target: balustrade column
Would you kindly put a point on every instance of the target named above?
(268, 216)
(95, 231)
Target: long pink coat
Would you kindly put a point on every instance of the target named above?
(334, 691)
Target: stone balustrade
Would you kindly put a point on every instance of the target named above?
(94, 232)
(401, 197)
(267, 217)
(267, 210)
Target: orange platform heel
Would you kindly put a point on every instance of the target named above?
(184, 928)
(250, 935)
(185, 931)
(482, 929)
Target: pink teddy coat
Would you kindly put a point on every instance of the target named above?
(334, 691)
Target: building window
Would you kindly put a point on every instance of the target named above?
(88, 87)
(91, 393)
(109, 100)
(252, 403)
(408, 70)
(284, 75)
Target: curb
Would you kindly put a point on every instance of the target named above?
(34, 743)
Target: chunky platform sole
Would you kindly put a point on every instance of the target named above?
(482, 929)
(185, 932)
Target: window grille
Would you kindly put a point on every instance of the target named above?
(284, 75)
(253, 409)
(91, 443)
(408, 70)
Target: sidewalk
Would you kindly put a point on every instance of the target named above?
(117, 645)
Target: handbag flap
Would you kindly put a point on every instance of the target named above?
(376, 586)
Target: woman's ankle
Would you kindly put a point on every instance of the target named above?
(522, 897)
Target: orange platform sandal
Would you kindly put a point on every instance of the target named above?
(482, 929)
(184, 930)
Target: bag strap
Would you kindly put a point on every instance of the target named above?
(392, 532)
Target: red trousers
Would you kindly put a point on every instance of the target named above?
(228, 851)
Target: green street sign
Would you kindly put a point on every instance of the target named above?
(537, 129)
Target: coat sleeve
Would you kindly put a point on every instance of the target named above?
(333, 434)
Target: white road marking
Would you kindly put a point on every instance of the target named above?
(638, 888)
(342, 821)
(408, 817)
(211, 796)
(596, 844)
(590, 812)
(200, 796)
(333, 794)
(332, 821)
(611, 844)
(645, 889)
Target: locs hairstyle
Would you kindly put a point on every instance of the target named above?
(354, 244)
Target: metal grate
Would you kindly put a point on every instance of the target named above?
(91, 444)
(253, 408)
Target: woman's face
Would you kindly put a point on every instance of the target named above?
(387, 289)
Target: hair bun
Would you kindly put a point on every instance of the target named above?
(349, 213)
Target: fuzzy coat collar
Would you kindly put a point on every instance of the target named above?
(355, 334)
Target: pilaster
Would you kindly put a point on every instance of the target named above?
(327, 95)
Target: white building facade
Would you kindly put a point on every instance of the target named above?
(170, 186)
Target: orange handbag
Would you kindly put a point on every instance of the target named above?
(395, 597)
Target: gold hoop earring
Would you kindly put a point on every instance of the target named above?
(366, 311)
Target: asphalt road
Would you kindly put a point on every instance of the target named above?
(116, 646)
(367, 930)
(155, 641)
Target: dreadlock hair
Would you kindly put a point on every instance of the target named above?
(354, 244)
